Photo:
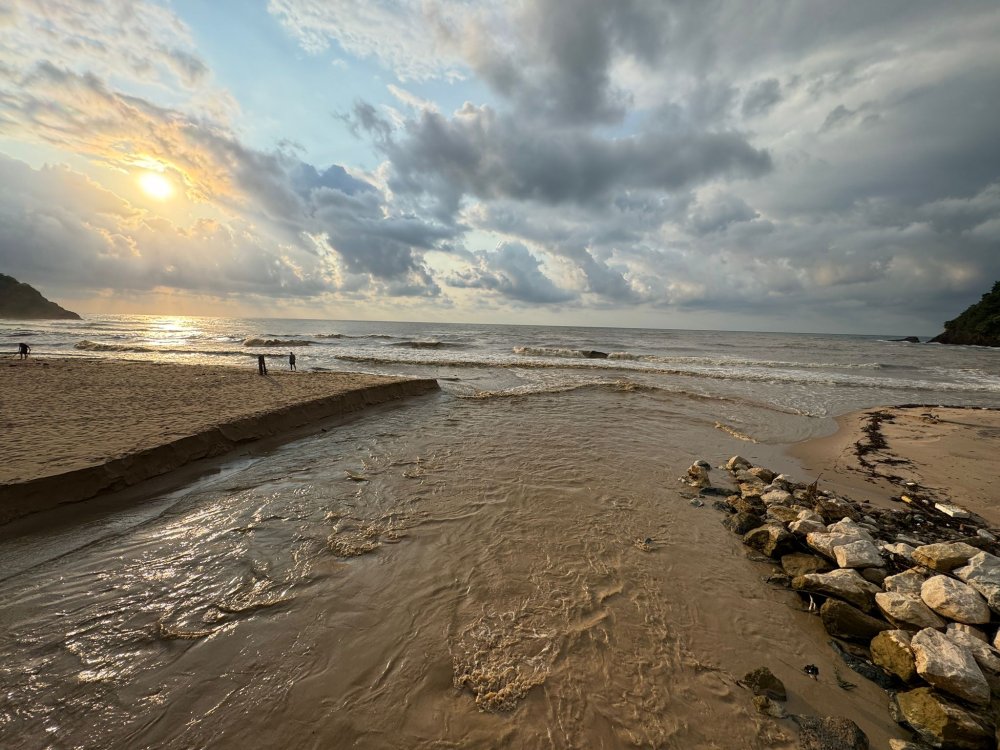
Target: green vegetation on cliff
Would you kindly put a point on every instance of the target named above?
(23, 302)
(979, 325)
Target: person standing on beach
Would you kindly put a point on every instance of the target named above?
(22, 350)
(261, 364)
(291, 360)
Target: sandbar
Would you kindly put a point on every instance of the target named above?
(71, 429)
(950, 453)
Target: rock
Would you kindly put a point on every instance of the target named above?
(762, 681)
(901, 550)
(20, 301)
(841, 584)
(591, 354)
(825, 542)
(782, 513)
(833, 508)
(738, 462)
(979, 324)
(800, 564)
(830, 733)
(961, 627)
(764, 475)
(982, 572)
(909, 539)
(906, 340)
(907, 582)
(697, 476)
(949, 667)
(874, 575)
(850, 528)
(810, 515)
(768, 707)
(891, 651)
(741, 523)
(955, 600)
(747, 504)
(776, 497)
(895, 744)
(771, 539)
(942, 723)
(907, 611)
(952, 510)
(859, 554)
(844, 621)
(783, 482)
(806, 526)
(987, 657)
(944, 556)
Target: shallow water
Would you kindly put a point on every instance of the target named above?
(445, 573)
(466, 569)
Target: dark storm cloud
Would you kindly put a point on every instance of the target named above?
(761, 97)
(513, 272)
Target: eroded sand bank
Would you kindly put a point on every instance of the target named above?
(950, 452)
(71, 429)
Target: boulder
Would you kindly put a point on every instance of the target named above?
(783, 482)
(907, 582)
(942, 723)
(874, 575)
(987, 657)
(830, 733)
(806, 526)
(944, 556)
(748, 504)
(833, 508)
(982, 572)
(810, 515)
(840, 584)
(762, 681)
(955, 600)
(768, 707)
(826, 542)
(844, 621)
(741, 523)
(891, 651)
(961, 627)
(782, 513)
(907, 611)
(697, 476)
(901, 550)
(949, 667)
(776, 497)
(738, 462)
(771, 539)
(764, 475)
(896, 744)
(800, 564)
(850, 528)
(859, 554)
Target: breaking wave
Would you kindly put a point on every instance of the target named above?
(276, 342)
(428, 345)
(96, 346)
(556, 351)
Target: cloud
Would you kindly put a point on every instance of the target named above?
(513, 272)
(761, 97)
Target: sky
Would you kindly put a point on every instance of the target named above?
(784, 166)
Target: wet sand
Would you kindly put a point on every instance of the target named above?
(72, 429)
(950, 452)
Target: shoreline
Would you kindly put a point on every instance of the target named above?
(76, 429)
(940, 453)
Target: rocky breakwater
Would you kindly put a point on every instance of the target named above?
(909, 595)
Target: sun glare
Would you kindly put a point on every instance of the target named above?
(156, 186)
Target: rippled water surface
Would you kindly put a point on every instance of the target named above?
(465, 569)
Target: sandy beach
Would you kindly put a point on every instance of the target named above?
(71, 429)
(948, 452)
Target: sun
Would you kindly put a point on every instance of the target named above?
(156, 186)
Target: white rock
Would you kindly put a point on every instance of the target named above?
(987, 657)
(738, 462)
(806, 526)
(811, 515)
(907, 582)
(843, 584)
(859, 554)
(955, 600)
(952, 510)
(848, 527)
(983, 573)
(949, 667)
(825, 542)
(776, 497)
(909, 612)
(784, 482)
(944, 556)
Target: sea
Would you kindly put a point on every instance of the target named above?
(509, 562)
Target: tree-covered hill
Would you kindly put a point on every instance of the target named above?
(979, 324)
(23, 302)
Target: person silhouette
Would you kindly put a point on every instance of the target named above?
(22, 350)
(261, 364)
(291, 360)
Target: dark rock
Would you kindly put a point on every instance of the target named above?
(841, 620)
(907, 340)
(741, 523)
(874, 575)
(771, 539)
(23, 302)
(830, 733)
(833, 509)
(863, 667)
(841, 584)
(747, 504)
(762, 681)
(978, 325)
(800, 564)
(942, 723)
(591, 354)
(721, 506)
(768, 707)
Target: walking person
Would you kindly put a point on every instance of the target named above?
(261, 364)
(291, 360)
(23, 350)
